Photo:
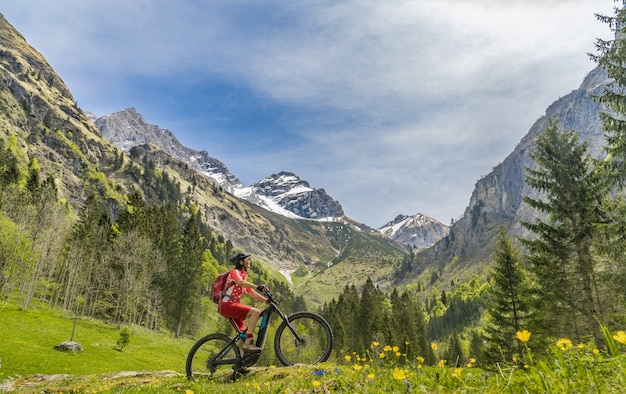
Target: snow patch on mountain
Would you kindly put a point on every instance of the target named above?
(418, 231)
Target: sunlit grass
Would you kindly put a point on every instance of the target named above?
(154, 363)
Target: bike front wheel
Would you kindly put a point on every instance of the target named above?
(306, 339)
(209, 354)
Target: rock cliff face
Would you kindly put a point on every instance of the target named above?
(497, 198)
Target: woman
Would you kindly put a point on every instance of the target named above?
(230, 305)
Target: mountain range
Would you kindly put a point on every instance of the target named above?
(283, 193)
(310, 240)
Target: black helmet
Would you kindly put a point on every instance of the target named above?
(237, 257)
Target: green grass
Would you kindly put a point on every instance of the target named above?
(29, 337)
(154, 363)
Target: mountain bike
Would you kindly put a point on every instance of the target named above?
(301, 338)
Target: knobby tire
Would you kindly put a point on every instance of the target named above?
(316, 336)
(204, 358)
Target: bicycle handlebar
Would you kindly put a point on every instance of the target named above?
(270, 297)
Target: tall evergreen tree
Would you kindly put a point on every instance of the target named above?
(611, 56)
(509, 303)
(561, 249)
(187, 279)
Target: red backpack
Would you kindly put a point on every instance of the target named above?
(219, 287)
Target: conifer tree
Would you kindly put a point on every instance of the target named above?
(561, 249)
(612, 58)
(509, 303)
(186, 278)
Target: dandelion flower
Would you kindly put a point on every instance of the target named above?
(399, 373)
(374, 344)
(457, 373)
(317, 383)
(347, 357)
(433, 346)
(387, 348)
(564, 344)
(442, 363)
(357, 367)
(371, 376)
(381, 355)
(523, 336)
(188, 391)
(620, 337)
(420, 359)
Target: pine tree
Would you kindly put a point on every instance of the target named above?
(561, 249)
(509, 303)
(186, 279)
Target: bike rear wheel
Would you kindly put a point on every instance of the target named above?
(311, 343)
(210, 354)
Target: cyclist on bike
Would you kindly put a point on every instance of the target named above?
(230, 305)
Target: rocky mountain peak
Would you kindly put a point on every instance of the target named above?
(418, 231)
(128, 128)
(295, 195)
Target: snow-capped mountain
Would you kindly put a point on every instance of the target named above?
(287, 192)
(282, 193)
(418, 231)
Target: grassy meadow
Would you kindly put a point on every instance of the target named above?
(154, 362)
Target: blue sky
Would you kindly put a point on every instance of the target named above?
(391, 107)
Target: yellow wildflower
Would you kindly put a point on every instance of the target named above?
(420, 359)
(395, 349)
(387, 348)
(371, 376)
(564, 344)
(317, 383)
(523, 336)
(457, 373)
(188, 391)
(398, 373)
(381, 355)
(374, 344)
(595, 351)
(442, 363)
(433, 346)
(347, 357)
(357, 367)
(620, 337)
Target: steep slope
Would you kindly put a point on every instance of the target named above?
(418, 231)
(497, 198)
(128, 128)
(38, 111)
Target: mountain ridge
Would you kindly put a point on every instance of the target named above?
(283, 193)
